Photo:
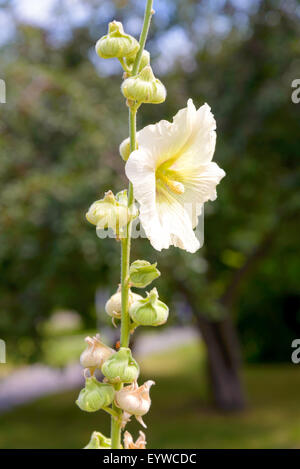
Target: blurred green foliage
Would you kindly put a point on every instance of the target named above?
(59, 137)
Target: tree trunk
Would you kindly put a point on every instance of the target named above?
(224, 362)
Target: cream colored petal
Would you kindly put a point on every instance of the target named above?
(200, 146)
(175, 222)
(165, 139)
(164, 219)
(200, 186)
(142, 176)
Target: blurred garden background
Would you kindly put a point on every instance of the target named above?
(222, 365)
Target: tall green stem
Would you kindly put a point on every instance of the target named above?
(125, 263)
(143, 36)
(115, 432)
(126, 241)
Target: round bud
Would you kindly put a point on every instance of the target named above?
(111, 212)
(124, 149)
(113, 306)
(116, 43)
(144, 88)
(121, 367)
(145, 60)
(149, 311)
(95, 395)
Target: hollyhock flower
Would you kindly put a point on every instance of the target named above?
(173, 175)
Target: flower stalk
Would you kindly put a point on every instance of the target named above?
(170, 172)
(126, 242)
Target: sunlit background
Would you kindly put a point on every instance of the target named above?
(222, 365)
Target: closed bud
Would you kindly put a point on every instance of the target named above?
(116, 43)
(145, 60)
(95, 395)
(121, 367)
(98, 441)
(135, 400)
(113, 306)
(124, 149)
(149, 311)
(142, 273)
(144, 88)
(111, 212)
(140, 443)
(95, 354)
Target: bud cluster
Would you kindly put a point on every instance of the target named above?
(118, 368)
(142, 86)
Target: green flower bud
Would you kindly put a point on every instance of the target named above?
(144, 88)
(149, 311)
(116, 43)
(142, 273)
(121, 367)
(145, 60)
(111, 212)
(98, 441)
(95, 395)
(124, 149)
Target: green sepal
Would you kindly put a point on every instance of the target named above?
(142, 273)
(98, 441)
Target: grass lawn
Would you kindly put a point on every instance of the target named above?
(180, 416)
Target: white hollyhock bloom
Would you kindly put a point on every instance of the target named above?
(173, 175)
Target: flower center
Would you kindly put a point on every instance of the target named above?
(167, 178)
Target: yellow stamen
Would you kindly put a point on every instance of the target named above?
(175, 186)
